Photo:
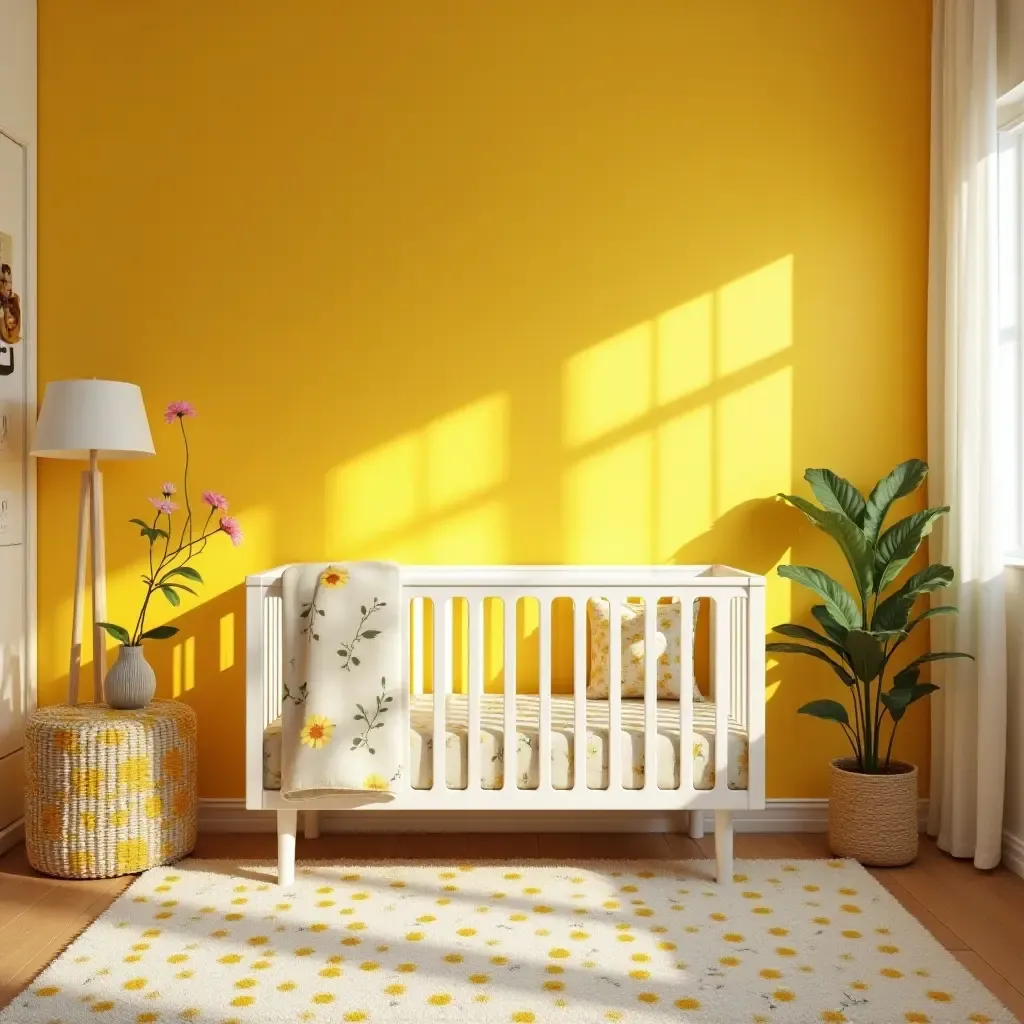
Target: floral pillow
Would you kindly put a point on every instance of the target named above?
(668, 641)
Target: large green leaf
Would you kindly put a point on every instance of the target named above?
(119, 633)
(840, 605)
(847, 534)
(159, 633)
(937, 656)
(171, 595)
(830, 709)
(836, 494)
(867, 653)
(939, 609)
(828, 623)
(906, 677)
(900, 543)
(894, 611)
(903, 480)
(187, 571)
(898, 700)
(804, 633)
(779, 647)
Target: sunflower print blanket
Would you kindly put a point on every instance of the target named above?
(345, 715)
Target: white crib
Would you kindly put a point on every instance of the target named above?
(736, 667)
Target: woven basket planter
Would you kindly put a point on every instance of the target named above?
(109, 792)
(873, 818)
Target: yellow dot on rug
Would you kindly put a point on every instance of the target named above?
(733, 937)
(940, 997)
(639, 975)
(243, 1000)
(687, 1003)
(890, 972)
(330, 972)
(554, 986)
(405, 968)
(640, 958)
(245, 983)
(414, 936)
(523, 1017)
(185, 975)
(579, 936)
(394, 990)
(833, 1016)
(850, 908)
(648, 997)
(980, 1018)
(234, 917)
(729, 961)
(287, 986)
(47, 991)
(439, 999)
(134, 984)
(770, 974)
(147, 1018)
(425, 919)
(783, 995)
(558, 953)
(762, 910)
(301, 951)
(354, 1015)
(323, 998)
(261, 965)
(369, 965)
(499, 961)
(177, 958)
(718, 916)
(452, 958)
(785, 951)
(479, 979)
(102, 1007)
(518, 917)
(888, 949)
(913, 1017)
(466, 932)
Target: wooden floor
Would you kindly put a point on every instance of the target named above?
(979, 916)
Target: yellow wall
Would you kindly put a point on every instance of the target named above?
(484, 282)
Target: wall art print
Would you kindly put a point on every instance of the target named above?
(10, 306)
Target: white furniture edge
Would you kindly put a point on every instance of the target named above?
(218, 815)
(12, 835)
(1013, 853)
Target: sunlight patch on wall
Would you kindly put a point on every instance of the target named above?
(607, 386)
(684, 350)
(754, 317)
(685, 481)
(607, 504)
(429, 495)
(754, 435)
(227, 641)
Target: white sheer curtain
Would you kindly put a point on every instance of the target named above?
(969, 712)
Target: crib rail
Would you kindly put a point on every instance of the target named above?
(736, 665)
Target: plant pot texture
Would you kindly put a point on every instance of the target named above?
(873, 818)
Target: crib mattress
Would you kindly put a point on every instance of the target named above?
(492, 744)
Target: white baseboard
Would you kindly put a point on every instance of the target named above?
(1013, 853)
(811, 815)
(12, 835)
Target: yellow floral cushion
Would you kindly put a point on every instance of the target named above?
(668, 640)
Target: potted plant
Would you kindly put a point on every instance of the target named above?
(131, 681)
(872, 812)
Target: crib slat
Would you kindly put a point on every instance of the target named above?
(614, 692)
(686, 696)
(723, 685)
(650, 691)
(544, 681)
(754, 629)
(579, 689)
(509, 756)
(442, 674)
(418, 641)
(476, 686)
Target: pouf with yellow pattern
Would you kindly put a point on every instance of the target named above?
(109, 792)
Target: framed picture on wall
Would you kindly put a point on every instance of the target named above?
(10, 306)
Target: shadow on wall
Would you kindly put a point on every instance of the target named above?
(538, 295)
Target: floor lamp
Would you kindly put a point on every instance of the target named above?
(91, 419)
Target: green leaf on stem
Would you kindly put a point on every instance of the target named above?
(171, 596)
(900, 543)
(867, 654)
(836, 494)
(840, 605)
(903, 480)
(182, 586)
(159, 633)
(804, 633)
(828, 623)
(119, 633)
(776, 647)
(898, 700)
(828, 709)
(187, 571)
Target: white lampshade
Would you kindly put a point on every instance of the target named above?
(82, 416)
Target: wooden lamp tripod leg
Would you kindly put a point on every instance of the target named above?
(99, 580)
(79, 605)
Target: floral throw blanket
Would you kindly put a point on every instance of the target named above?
(345, 716)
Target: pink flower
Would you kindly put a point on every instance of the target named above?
(178, 410)
(167, 489)
(233, 528)
(215, 500)
(163, 505)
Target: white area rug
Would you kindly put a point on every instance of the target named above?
(599, 941)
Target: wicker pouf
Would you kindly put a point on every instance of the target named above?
(109, 792)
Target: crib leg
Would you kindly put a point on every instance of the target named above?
(287, 825)
(696, 824)
(723, 845)
(312, 824)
